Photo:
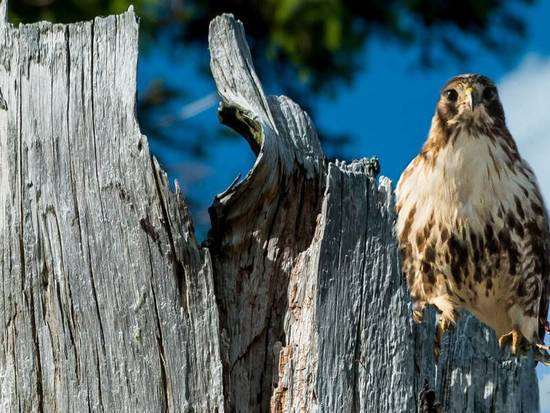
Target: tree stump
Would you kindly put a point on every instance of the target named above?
(294, 303)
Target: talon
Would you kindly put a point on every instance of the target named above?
(510, 339)
(418, 315)
(515, 339)
(418, 312)
(504, 340)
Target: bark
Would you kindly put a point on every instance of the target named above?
(294, 303)
(107, 303)
(315, 315)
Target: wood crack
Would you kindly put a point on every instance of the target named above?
(95, 297)
(363, 299)
(179, 270)
(165, 384)
(70, 139)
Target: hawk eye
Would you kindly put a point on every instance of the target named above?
(489, 93)
(451, 95)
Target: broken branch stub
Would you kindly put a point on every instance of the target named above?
(108, 303)
(106, 300)
(262, 225)
(314, 313)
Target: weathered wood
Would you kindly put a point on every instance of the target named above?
(307, 278)
(262, 225)
(295, 303)
(107, 303)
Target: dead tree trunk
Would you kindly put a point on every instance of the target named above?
(294, 303)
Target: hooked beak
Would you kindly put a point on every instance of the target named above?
(3, 104)
(471, 97)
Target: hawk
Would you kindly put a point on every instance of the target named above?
(471, 222)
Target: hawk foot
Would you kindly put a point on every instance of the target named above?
(542, 356)
(418, 312)
(517, 342)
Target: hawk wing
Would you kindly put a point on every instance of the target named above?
(545, 275)
(536, 252)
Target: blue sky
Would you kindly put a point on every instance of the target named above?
(392, 83)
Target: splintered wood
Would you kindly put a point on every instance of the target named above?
(295, 303)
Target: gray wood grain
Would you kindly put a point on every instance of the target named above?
(106, 301)
(314, 311)
(261, 225)
(294, 304)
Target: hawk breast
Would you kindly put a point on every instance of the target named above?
(473, 232)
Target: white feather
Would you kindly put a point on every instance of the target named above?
(467, 183)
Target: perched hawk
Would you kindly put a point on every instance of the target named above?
(472, 225)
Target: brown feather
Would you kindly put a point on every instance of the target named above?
(472, 225)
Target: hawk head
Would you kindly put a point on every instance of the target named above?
(468, 106)
(468, 101)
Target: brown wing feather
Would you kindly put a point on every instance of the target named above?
(543, 306)
(543, 313)
(542, 238)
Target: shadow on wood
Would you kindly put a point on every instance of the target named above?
(294, 303)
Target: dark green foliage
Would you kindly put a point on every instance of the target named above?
(318, 40)
(303, 48)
